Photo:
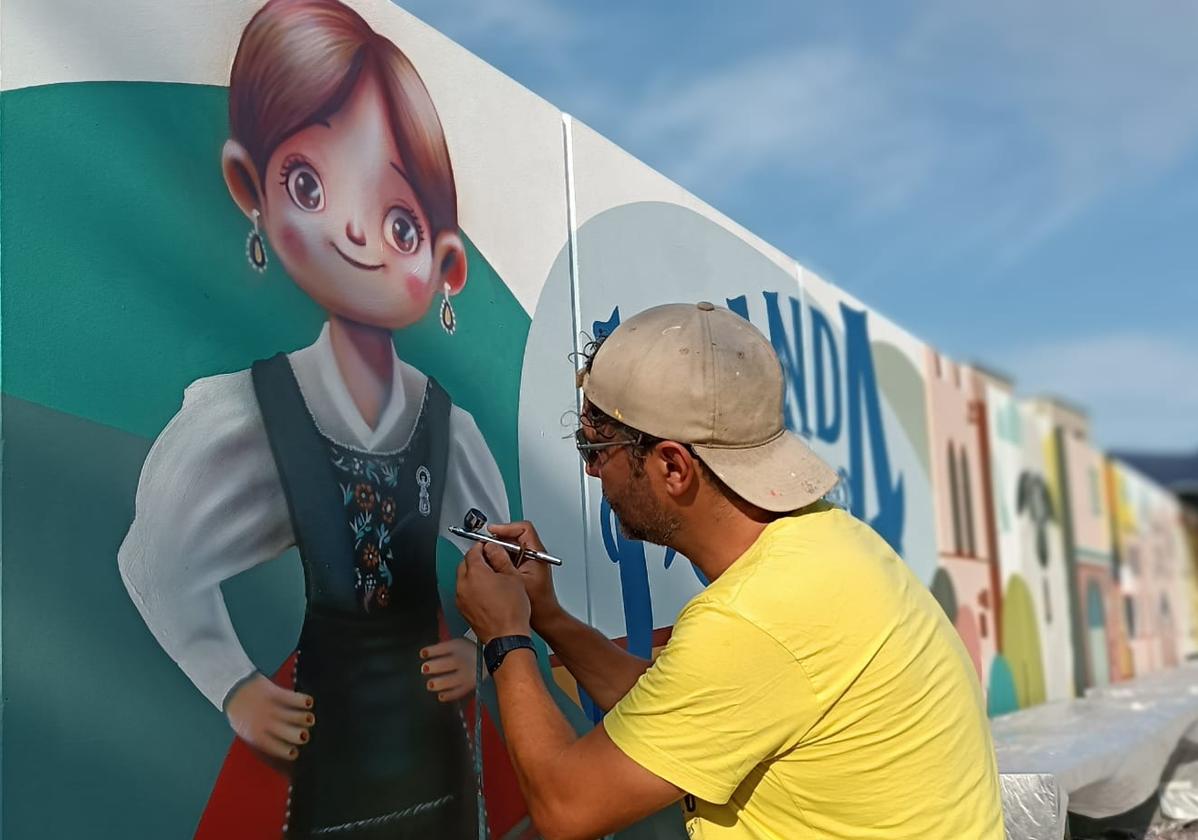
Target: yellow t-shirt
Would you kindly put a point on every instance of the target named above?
(817, 690)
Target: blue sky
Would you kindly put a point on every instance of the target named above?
(1015, 183)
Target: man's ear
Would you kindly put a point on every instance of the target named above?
(449, 261)
(678, 467)
(241, 177)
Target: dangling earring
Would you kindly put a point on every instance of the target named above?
(255, 247)
(449, 321)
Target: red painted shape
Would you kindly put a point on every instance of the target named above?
(967, 628)
(249, 796)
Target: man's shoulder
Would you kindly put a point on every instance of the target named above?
(812, 572)
(731, 618)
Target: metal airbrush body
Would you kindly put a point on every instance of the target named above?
(472, 525)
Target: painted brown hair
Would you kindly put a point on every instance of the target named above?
(297, 64)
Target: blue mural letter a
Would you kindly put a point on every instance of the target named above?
(629, 554)
(862, 391)
(789, 352)
(634, 582)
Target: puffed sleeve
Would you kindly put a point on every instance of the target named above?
(473, 479)
(209, 505)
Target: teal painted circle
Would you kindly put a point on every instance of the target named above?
(1002, 698)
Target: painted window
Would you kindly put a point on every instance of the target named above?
(967, 506)
(953, 495)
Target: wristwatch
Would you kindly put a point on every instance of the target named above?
(501, 646)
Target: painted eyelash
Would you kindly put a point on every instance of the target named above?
(415, 221)
(290, 163)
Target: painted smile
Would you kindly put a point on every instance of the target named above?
(353, 262)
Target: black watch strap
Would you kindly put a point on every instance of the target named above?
(495, 650)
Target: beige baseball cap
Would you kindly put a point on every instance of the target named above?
(702, 375)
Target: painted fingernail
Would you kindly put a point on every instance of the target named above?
(424, 653)
(431, 686)
(303, 736)
(311, 720)
(424, 669)
(294, 752)
(308, 703)
(441, 696)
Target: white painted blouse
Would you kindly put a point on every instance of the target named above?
(210, 503)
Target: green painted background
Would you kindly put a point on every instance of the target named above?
(124, 279)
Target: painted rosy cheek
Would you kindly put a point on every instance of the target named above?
(419, 289)
(292, 242)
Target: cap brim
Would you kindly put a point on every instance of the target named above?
(780, 475)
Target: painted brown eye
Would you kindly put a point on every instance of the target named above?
(402, 230)
(305, 189)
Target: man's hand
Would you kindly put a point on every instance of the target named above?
(271, 719)
(536, 576)
(451, 668)
(491, 596)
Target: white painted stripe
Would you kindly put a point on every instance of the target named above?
(576, 318)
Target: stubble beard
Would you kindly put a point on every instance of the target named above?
(642, 516)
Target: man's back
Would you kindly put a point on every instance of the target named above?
(817, 689)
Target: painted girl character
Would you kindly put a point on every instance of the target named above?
(337, 156)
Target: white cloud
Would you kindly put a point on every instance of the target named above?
(1007, 119)
(823, 111)
(1099, 94)
(1140, 389)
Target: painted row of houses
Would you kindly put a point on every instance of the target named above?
(1062, 568)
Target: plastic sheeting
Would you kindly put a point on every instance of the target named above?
(1179, 797)
(1103, 754)
(1179, 794)
(1033, 806)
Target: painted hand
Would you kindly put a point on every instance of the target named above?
(536, 576)
(491, 594)
(271, 719)
(451, 668)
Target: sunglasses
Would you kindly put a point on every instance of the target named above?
(590, 451)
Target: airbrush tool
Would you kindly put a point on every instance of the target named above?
(472, 525)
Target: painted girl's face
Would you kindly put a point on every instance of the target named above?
(341, 214)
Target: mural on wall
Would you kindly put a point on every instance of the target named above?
(338, 158)
(854, 383)
(1189, 574)
(960, 477)
(1036, 634)
(867, 418)
(303, 330)
(1100, 642)
(853, 386)
(1150, 546)
(331, 198)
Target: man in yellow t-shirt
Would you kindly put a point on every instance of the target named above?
(815, 689)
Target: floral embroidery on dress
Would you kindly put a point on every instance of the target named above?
(364, 496)
(368, 487)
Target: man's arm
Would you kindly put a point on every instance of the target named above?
(606, 671)
(575, 787)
